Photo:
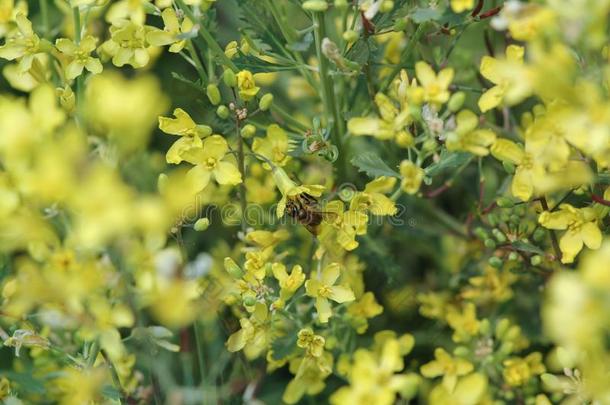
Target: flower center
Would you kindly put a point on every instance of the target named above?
(210, 163)
(324, 291)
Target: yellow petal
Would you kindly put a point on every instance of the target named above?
(341, 294)
(227, 173)
(570, 244)
(591, 235)
(424, 73)
(491, 98)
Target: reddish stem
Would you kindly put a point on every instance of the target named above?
(600, 200)
(490, 13)
(478, 8)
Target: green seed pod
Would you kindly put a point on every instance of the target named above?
(350, 36)
(490, 243)
(213, 94)
(536, 260)
(266, 102)
(495, 262)
(456, 101)
(223, 112)
(400, 24)
(315, 5)
(162, 182)
(202, 224)
(248, 131)
(461, 351)
(501, 328)
(232, 268)
(505, 202)
(229, 78)
(499, 235)
(485, 327)
(509, 167)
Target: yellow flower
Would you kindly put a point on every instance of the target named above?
(464, 324)
(127, 45)
(246, 85)
(341, 226)
(528, 169)
(209, 160)
(373, 198)
(127, 9)
(274, 146)
(580, 225)
(323, 289)
(412, 176)
(289, 283)
(470, 390)
(517, 371)
(310, 373)
(449, 367)
(467, 138)
(366, 307)
(392, 123)
(79, 56)
(312, 343)
(436, 87)
(290, 190)
(461, 5)
(171, 33)
(253, 335)
(189, 131)
(507, 76)
(24, 45)
(373, 380)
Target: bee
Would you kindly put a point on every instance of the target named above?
(305, 209)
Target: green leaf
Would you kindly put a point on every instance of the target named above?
(188, 82)
(27, 382)
(526, 247)
(371, 164)
(283, 346)
(448, 161)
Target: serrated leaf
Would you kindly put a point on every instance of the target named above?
(188, 82)
(371, 164)
(526, 247)
(420, 15)
(447, 161)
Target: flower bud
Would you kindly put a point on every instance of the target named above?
(222, 111)
(213, 94)
(495, 262)
(228, 76)
(490, 243)
(536, 260)
(265, 103)
(162, 182)
(456, 101)
(485, 327)
(513, 256)
(315, 5)
(480, 232)
(386, 6)
(202, 224)
(461, 351)
(350, 36)
(539, 235)
(505, 202)
(232, 268)
(341, 4)
(508, 167)
(501, 328)
(500, 237)
(248, 131)
(231, 49)
(249, 300)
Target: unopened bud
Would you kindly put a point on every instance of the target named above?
(223, 112)
(266, 102)
(400, 24)
(231, 49)
(341, 4)
(248, 131)
(202, 224)
(499, 235)
(232, 268)
(249, 300)
(490, 243)
(456, 101)
(213, 94)
(505, 202)
(536, 260)
(350, 36)
(508, 167)
(495, 262)
(386, 6)
(315, 5)
(228, 76)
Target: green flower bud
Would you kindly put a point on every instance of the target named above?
(506, 348)
(495, 262)
(429, 145)
(539, 235)
(202, 224)
(501, 328)
(505, 202)
(492, 219)
(162, 182)
(456, 101)
(461, 351)
(315, 5)
(485, 327)
(386, 6)
(248, 131)
(350, 36)
(513, 256)
(490, 243)
(536, 260)
(223, 112)
(229, 78)
(213, 94)
(266, 102)
(499, 235)
(480, 232)
(341, 4)
(232, 268)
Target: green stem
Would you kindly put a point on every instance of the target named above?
(554, 241)
(207, 37)
(77, 38)
(44, 12)
(289, 118)
(200, 359)
(115, 375)
(328, 95)
(198, 63)
(241, 162)
(404, 57)
(94, 350)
